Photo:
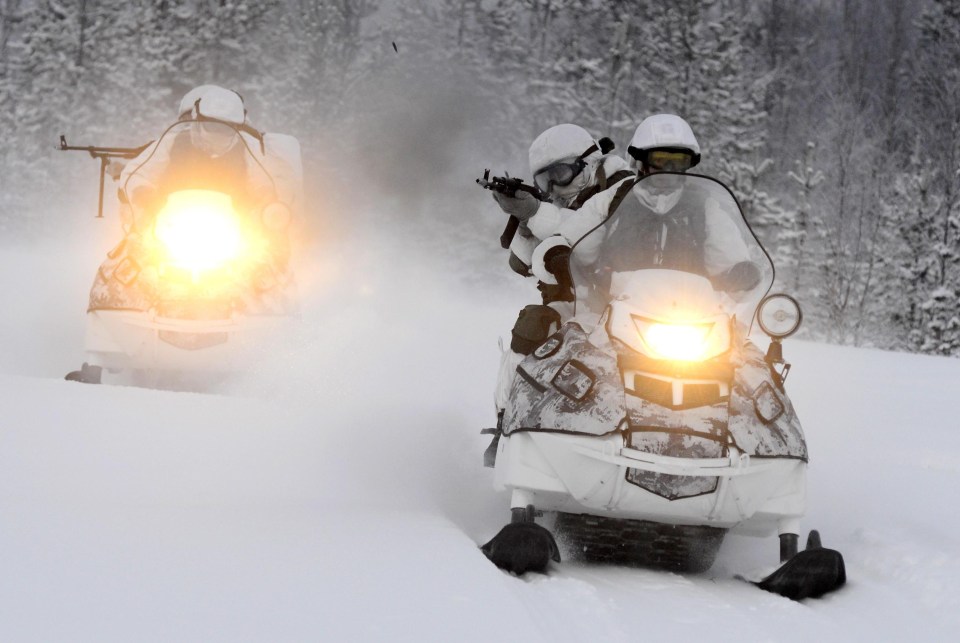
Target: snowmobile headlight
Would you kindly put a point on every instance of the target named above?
(682, 342)
(199, 230)
(779, 315)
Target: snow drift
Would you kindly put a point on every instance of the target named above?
(336, 492)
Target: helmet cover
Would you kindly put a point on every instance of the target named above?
(214, 102)
(664, 131)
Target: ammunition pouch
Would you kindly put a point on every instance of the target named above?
(534, 325)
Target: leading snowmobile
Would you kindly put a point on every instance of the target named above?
(650, 425)
(202, 274)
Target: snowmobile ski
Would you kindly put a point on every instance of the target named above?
(87, 374)
(523, 545)
(811, 573)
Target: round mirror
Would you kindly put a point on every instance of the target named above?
(779, 316)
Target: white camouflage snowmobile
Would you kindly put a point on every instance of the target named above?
(202, 275)
(649, 426)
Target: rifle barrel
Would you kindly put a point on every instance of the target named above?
(95, 151)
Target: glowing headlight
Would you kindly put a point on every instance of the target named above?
(681, 342)
(199, 230)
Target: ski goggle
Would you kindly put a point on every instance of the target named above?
(558, 175)
(669, 160)
(563, 173)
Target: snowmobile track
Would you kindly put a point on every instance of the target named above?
(680, 548)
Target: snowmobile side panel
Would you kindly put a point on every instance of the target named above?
(572, 387)
(522, 465)
(754, 396)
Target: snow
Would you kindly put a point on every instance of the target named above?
(336, 492)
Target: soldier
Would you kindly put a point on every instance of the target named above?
(569, 167)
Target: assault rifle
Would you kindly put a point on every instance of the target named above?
(104, 154)
(509, 187)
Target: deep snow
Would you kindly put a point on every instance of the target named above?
(336, 492)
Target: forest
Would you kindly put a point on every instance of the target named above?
(835, 122)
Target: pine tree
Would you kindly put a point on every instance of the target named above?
(937, 93)
(798, 226)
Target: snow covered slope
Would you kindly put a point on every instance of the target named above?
(337, 493)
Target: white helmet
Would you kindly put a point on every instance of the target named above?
(663, 131)
(558, 143)
(559, 158)
(213, 102)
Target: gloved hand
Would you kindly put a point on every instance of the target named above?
(522, 205)
(557, 262)
(743, 276)
(115, 168)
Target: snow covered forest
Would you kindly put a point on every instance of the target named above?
(836, 122)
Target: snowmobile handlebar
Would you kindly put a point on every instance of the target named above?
(104, 154)
(509, 187)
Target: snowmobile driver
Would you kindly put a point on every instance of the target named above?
(211, 147)
(673, 235)
(208, 153)
(569, 167)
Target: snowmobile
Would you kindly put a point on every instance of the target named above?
(649, 425)
(202, 274)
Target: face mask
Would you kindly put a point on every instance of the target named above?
(213, 138)
(660, 203)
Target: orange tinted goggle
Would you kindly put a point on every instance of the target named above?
(669, 160)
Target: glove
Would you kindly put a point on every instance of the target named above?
(557, 262)
(551, 293)
(743, 276)
(115, 168)
(521, 205)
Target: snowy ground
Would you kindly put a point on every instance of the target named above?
(337, 493)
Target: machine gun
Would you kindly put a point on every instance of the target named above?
(509, 187)
(104, 154)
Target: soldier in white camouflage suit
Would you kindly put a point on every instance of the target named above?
(569, 167)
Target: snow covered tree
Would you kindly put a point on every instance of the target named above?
(698, 66)
(936, 74)
(799, 224)
(835, 123)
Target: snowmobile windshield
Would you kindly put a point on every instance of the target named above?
(671, 221)
(198, 155)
